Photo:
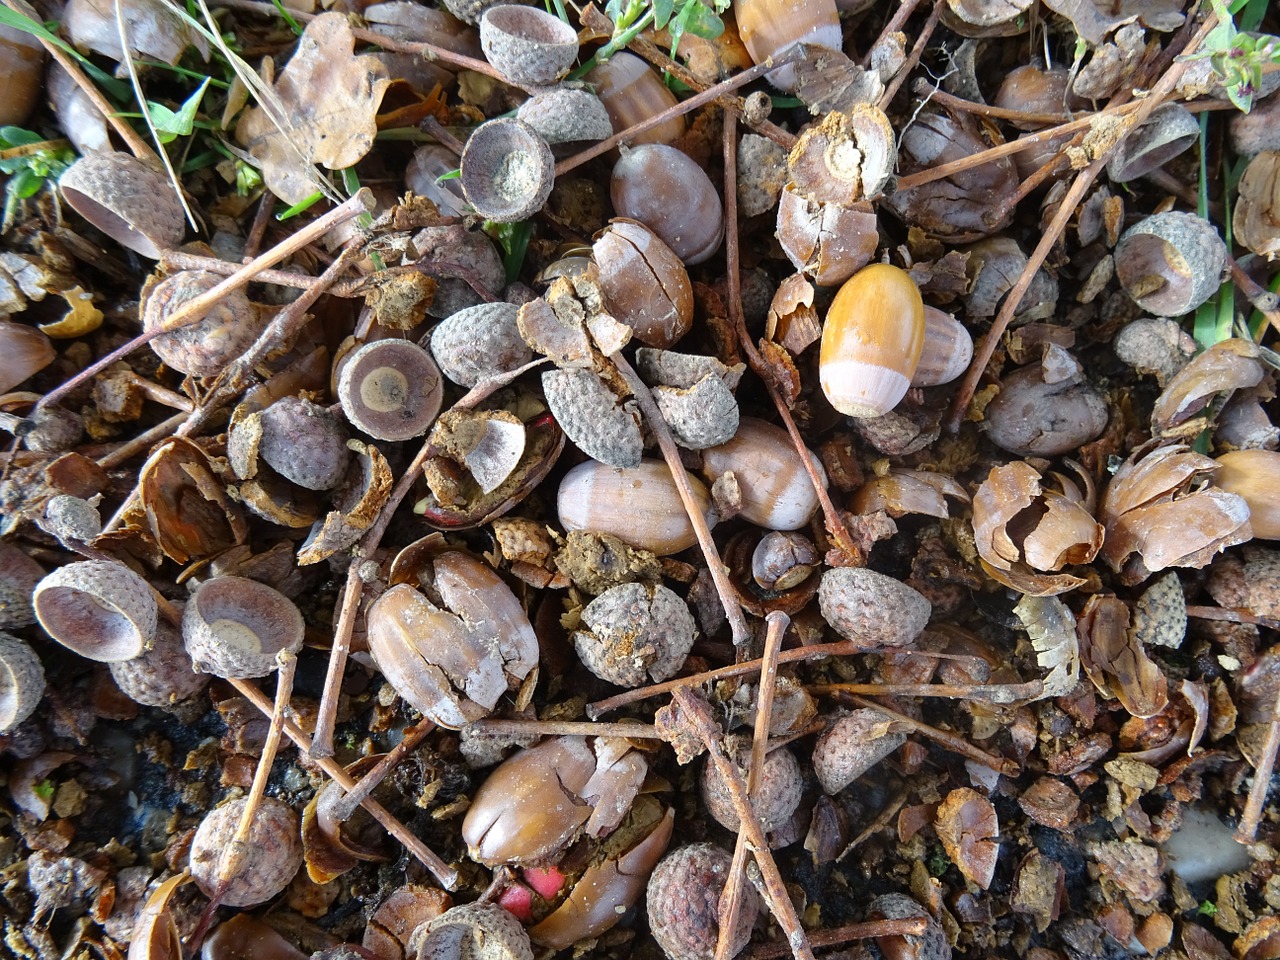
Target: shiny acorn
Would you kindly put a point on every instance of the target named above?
(872, 341)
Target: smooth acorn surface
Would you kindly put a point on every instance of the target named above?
(872, 341)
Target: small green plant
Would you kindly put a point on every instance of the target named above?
(632, 17)
(30, 161)
(1236, 56)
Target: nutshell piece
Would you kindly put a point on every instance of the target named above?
(1046, 409)
(21, 75)
(644, 283)
(930, 945)
(101, 610)
(1170, 130)
(24, 352)
(871, 341)
(161, 677)
(479, 342)
(1256, 218)
(391, 390)
(597, 498)
(21, 681)
(852, 745)
(127, 200)
(1170, 263)
(1254, 475)
(829, 242)
(762, 173)
(768, 29)
(777, 492)
(428, 164)
(776, 797)
(669, 193)
(872, 609)
(507, 170)
(637, 633)
(234, 627)
(993, 267)
(846, 158)
(530, 46)
(204, 348)
(683, 901)
(632, 91)
(273, 851)
(596, 419)
(474, 931)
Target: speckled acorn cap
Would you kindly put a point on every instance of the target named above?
(125, 199)
(566, 115)
(507, 170)
(101, 610)
(234, 627)
(21, 681)
(530, 46)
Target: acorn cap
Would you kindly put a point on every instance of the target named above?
(530, 46)
(566, 115)
(234, 627)
(21, 681)
(507, 170)
(99, 609)
(391, 389)
(125, 199)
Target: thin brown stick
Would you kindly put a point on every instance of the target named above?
(1248, 828)
(900, 16)
(445, 874)
(327, 714)
(194, 309)
(746, 668)
(917, 51)
(738, 625)
(935, 94)
(346, 805)
(1231, 615)
(697, 714)
(908, 927)
(948, 741)
(261, 220)
(142, 442)
(681, 108)
(1259, 297)
(137, 146)
(1001, 693)
(831, 516)
(731, 900)
(564, 728)
(875, 826)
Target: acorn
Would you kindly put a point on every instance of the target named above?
(872, 341)
(769, 27)
(671, 195)
(1253, 474)
(632, 91)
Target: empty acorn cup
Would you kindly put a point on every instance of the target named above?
(125, 199)
(21, 681)
(234, 627)
(530, 47)
(507, 171)
(101, 610)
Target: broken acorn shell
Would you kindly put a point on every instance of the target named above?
(273, 851)
(1254, 475)
(391, 390)
(21, 681)
(125, 199)
(645, 285)
(101, 610)
(635, 633)
(530, 46)
(770, 27)
(632, 92)
(777, 492)
(1170, 263)
(828, 242)
(601, 499)
(871, 341)
(507, 170)
(234, 627)
(24, 352)
(669, 193)
(846, 158)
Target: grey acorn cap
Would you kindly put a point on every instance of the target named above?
(21, 681)
(566, 115)
(530, 46)
(705, 415)
(871, 608)
(125, 199)
(593, 417)
(479, 342)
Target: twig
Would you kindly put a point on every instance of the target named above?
(142, 442)
(982, 352)
(193, 310)
(681, 108)
(947, 740)
(746, 668)
(738, 625)
(907, 927)
(1248, 828)
(328, 711)
(900, 16)
(1001, 693)
(1259, 297)
(731, 902)
(923, 88)
(1231, 615)
(875, 826)
(564, 728)
(917, 51)
(697, 714)
(444, 873)
(831, 516)
(346, 805)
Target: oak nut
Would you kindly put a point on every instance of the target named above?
(645, 285)
(871, 608)
(669, 193)
(21, 74)
(683, 900)
(948, 349)
(632, 91)
(768, 28)
(777, 491)
(637, 633)
(99, 609)
(273, 851)
(391, 389)
(872, 341)
(774, 800)
(1254, 475)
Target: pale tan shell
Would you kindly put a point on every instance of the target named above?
(234, 627)
(21, 681)
(101, 610)
(24, 352)
(125, 199)
(777, 493)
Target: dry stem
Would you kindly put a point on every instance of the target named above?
(913, 58)
(564, 728)
(907, 927)
(347, 803)
(1248, 828)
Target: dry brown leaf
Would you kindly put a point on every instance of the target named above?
(1257, 214)
(1115, 660)
(781, 371)
(967, 826)
(330, 98)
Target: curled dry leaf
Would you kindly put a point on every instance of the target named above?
(1115, 660)
(967, 826)
(1160, 512)
(323, 112)
(902, 491)
(1052, 629)
(1051, 531)
(1222, 369)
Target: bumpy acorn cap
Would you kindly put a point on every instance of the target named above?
(234, 627)
(566, 115)
(101, 610)
(507, 170)
(21, 681)
(125, 199)
(530, 46)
